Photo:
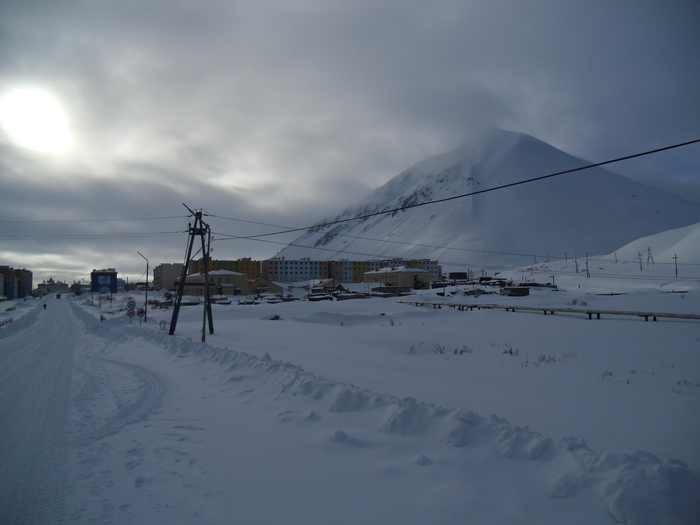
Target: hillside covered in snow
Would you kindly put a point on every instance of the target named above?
(592, 211)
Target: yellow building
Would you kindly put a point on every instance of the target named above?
(253, 269)
(244, 265)
(221, 282)
(359, 269)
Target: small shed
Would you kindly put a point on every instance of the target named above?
(327, 286)
(260, 286)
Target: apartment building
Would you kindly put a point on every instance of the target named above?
(343, 270)
(165, 275)
(288, 270)
(16, 283)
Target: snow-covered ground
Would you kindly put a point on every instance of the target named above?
(367, 411)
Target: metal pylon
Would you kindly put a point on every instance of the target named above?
(197, 229)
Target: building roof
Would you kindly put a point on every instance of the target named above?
(321, 282)
(215, 273)
(397, 269)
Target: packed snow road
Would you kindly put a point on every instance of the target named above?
(35, 382)
(45, 369)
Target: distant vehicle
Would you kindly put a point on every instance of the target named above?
(58, 296)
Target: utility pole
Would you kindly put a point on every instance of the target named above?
(649, 257)
(145, 313)
(675, 260)
(197, 229)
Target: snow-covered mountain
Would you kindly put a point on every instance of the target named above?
(592, 211)
(683, 243)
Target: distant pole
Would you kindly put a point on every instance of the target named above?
(649, 257)
(640, 261)
(145, 312)
(675, 260)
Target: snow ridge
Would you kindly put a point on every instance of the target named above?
(19, 324)
(637, 487)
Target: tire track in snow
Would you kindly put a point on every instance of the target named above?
(149, 396)
(109, 395)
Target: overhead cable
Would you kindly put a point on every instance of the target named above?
(478, 192)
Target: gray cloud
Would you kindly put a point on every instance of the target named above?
(285, 113)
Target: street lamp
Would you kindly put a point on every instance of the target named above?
(145, 313)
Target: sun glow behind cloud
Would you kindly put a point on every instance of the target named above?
(35, 120)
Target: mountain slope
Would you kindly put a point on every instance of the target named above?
(592, 211)
(683, 243)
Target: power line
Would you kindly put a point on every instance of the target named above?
(253, 237)
(470, 265)
(88, 236)
(338, 221)
(405, 243)
(478, 192)
(94, 220)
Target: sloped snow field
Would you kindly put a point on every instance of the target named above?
(374, 411)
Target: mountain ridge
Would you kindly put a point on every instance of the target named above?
(592, 210)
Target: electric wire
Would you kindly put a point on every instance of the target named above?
(89, 235)
(421, 245)
(93, 220)
(479, 192)
(500, 268)
(321, 225)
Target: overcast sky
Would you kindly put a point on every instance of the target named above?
(288, 112)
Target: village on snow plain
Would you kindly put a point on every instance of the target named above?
(375, 411)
